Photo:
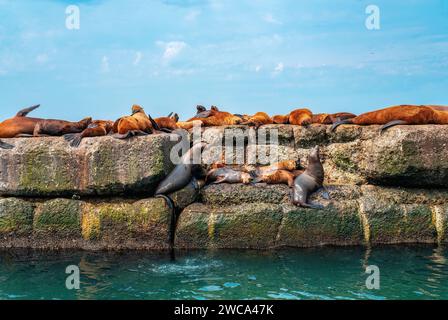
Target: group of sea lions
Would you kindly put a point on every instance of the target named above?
(141, 123)
(301, 182)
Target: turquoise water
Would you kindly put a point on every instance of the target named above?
(325, 273)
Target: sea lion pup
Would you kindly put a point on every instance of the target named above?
(97, 128)
(399, 115)
(137, 124)
(258, 119)
(227, 175)
(169, 123)
(182, 173)
(308, 182)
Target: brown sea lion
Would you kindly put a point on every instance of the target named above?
(300, 117)
(399, 115)
(276, 177)
(181, 175)
(138, 123)
(308, 182)
(281, 119)
(22, 126)
(288, 165)
(258, 119)
(168, 123)
(50, 127)
(218, 118)
(96, 129)
(228, 175)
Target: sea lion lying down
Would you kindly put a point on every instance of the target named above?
(22, 126)
(400, 115)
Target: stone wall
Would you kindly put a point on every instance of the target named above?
(384, 188)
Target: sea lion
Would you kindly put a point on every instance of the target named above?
(258, 119)
(218, 118)
(50, 127)
(96, 129)
(308, 182)
(300, 117)
(228, 175)
(276, 177)
(202, 112)
(137, 124)
(288, 165)
(399, 115)
(182, 173)
(168, 123)
(281, 119)
(22, 126)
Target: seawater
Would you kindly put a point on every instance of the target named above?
(406, 272)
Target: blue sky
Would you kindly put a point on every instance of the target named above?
(245, 56)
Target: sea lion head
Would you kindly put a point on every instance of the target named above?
(136, 109)
(84, 123)
(314, 154)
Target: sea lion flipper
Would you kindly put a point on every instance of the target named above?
(338, 123)
(391, 124)
(4, 145)
(24, 112)
(154, 124)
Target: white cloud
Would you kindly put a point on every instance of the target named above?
(279, 68)
(269, 18)
(105, 64)
(171, 49)
(138, 58)
(192, 15)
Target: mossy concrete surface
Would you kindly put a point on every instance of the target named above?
(66, 223)
(353, 215)
(16, 216)
(48, 166)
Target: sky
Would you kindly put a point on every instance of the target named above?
(241, 55)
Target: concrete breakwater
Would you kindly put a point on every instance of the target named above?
(384, 188)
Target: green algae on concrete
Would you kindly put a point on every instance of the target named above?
(61, 217)
(192, 229)
(337, 224)
(240, 226)
(148, 221)
(16, 216)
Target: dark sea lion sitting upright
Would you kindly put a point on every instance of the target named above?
(308, 182)
(182, 173)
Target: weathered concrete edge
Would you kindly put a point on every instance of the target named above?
(72, 224)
